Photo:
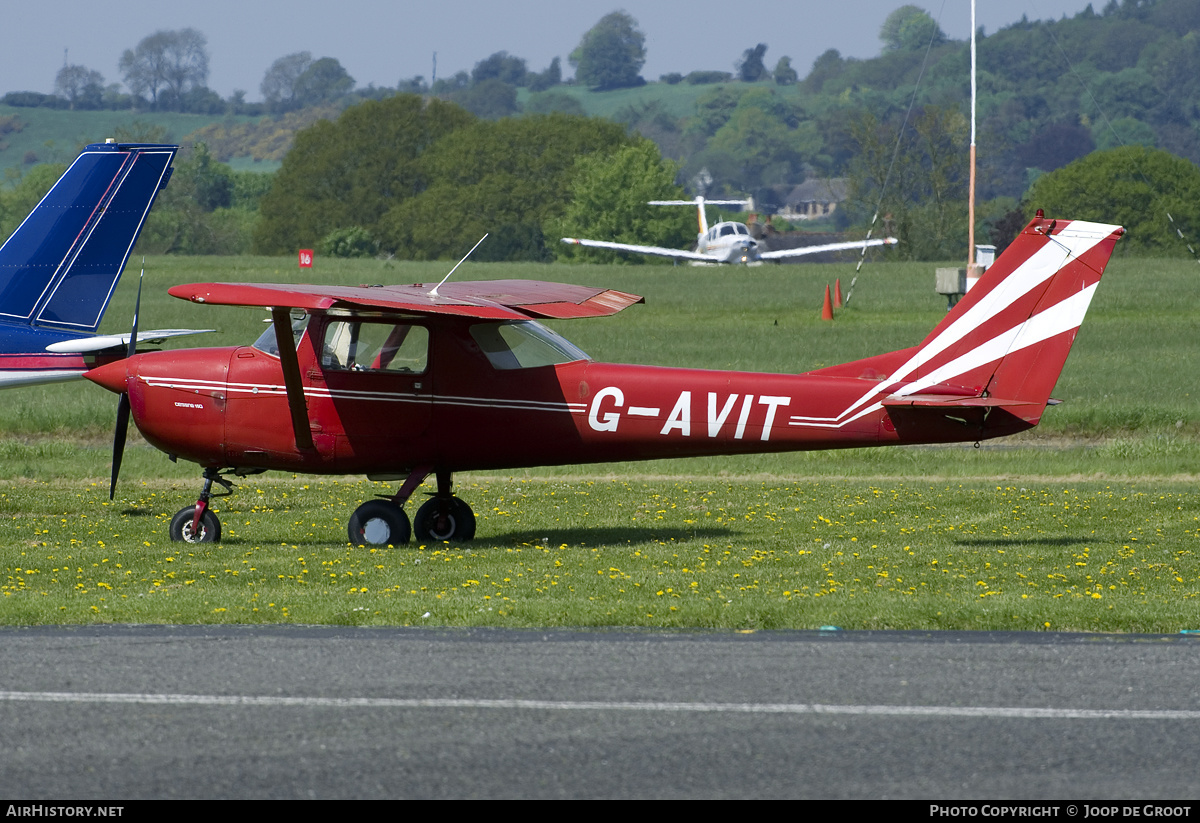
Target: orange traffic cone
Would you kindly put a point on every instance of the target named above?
(827, 309)
(837, 293)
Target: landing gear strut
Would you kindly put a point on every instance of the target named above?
(197, 524)
(443, 517)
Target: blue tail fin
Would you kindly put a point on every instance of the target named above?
(59, 268)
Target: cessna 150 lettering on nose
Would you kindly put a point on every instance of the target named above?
(726, 242)
(406, 381)
(59, 268)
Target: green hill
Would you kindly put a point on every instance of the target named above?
(43, 135)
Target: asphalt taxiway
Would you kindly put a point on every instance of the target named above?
(128, 712)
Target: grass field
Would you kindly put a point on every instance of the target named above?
(57, 135)
(1090, 523)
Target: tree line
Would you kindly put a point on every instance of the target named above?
(418, 178)
(756, 130)
(168, 71)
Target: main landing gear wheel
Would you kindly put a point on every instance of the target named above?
(444, 518)
(183, 526)
(379, 523)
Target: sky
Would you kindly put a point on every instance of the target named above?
(382, 41)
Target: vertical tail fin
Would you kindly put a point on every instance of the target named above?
(699, 203)
(59, 268)
(1004, 345)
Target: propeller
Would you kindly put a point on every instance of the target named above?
(122, 427)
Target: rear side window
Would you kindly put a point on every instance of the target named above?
(524, 344)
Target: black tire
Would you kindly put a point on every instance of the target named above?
(379, 523)
(181, 526)
(444, 518)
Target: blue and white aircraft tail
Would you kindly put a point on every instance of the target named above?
(59, 268)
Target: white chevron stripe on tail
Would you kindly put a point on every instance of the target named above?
(1073, 241)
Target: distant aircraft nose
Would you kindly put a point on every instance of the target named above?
(111, 376)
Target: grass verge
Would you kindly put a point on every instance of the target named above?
(616, 549)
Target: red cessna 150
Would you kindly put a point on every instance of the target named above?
(402, 382)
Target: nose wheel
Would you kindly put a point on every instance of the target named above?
(198, 524)
(184, 527)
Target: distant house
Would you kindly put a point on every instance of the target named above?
(814, 199)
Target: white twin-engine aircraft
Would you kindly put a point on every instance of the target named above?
(726, 242)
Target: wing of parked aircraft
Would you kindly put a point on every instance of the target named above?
(657, 251)
(850, 244)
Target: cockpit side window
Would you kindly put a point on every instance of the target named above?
(523, 344)
(375, 346)
(267, 341)
(727, 229)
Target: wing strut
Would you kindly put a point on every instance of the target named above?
(282, 319)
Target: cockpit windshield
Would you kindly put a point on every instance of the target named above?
(266, 342)
(524, 344)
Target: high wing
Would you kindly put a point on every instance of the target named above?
(657, 251)
(487, 299)
(853, 244)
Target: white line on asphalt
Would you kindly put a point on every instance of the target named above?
(601, 705)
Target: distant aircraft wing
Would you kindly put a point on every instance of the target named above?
(852, 244)
(488, 299)
(657, 251)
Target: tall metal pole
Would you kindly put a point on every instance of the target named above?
(971, 186)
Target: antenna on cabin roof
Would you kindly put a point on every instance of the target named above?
(434, 291)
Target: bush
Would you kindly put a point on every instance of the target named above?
(354, 241)
(1133, 186)
(33, 99)
(701, 78)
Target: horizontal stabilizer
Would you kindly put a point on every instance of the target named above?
(941, 401)
(699, 201)
(102, 342)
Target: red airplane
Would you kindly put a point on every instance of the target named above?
(401, 382)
